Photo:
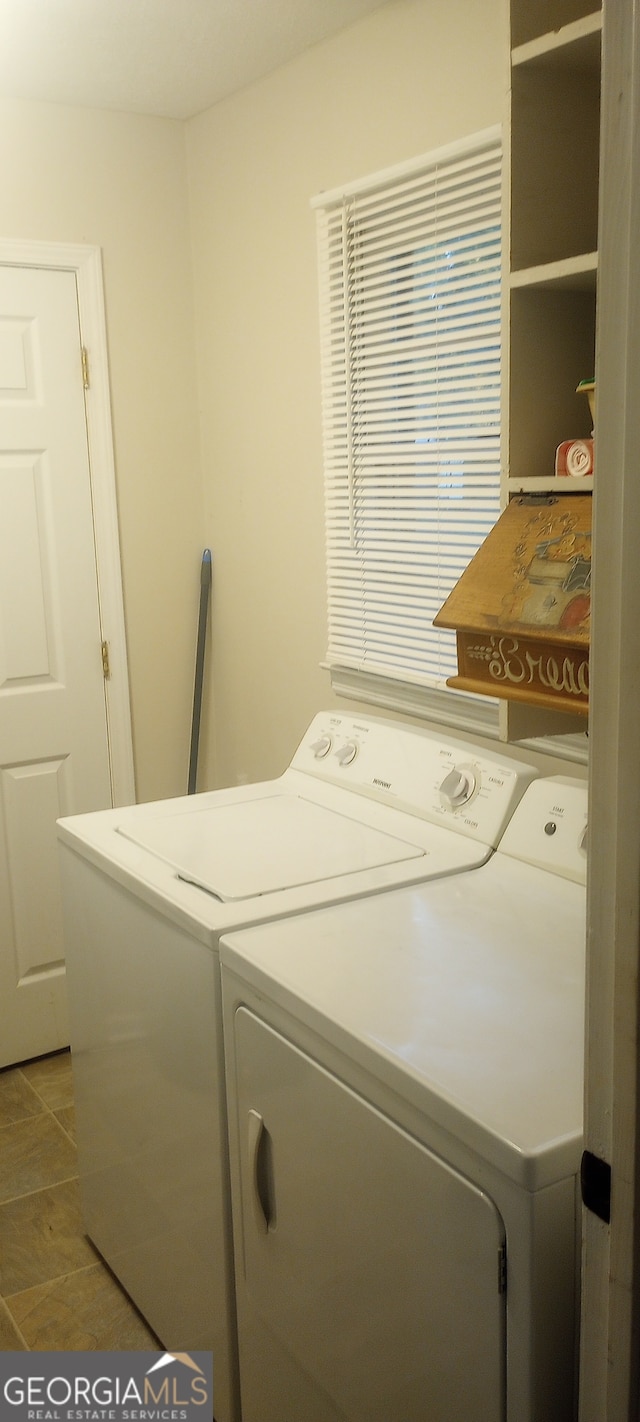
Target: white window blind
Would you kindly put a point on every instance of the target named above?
(409, 270)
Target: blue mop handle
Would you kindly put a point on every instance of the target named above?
(205, 589)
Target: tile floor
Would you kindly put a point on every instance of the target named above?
(55, 1291)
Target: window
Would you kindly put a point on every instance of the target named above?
(410, 301)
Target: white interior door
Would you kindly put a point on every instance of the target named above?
(54, 755)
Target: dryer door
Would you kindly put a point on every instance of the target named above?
(368, 1269)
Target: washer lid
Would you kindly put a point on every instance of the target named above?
(239, 851)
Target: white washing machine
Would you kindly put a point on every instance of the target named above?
(404, 1080)
(364, 805)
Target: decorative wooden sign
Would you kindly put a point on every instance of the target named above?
(521, 609)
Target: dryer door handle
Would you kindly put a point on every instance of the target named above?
(257, 1141)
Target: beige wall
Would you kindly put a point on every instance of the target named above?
(410, 77)
(229, 193)
(119, 182)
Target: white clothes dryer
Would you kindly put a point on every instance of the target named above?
(147, 891)
(404, 1081)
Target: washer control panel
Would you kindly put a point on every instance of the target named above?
(549, 827)
(472, 790)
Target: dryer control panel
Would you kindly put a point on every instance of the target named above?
(448, 781)
(549, 828)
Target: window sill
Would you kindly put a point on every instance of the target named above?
(471, 715)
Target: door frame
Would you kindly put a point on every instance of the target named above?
(86, 264)
(610, 1339)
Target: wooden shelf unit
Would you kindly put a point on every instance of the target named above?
(552, 485)
(540, 21)
(552, 262)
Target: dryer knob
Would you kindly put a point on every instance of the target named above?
(321, 747)
(457, 787)
(584, 840)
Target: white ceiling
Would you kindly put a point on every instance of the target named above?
(170, 57)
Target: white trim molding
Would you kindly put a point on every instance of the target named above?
(86, 263)
(610, 1333)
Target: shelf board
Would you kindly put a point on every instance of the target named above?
(534, 484)
(575, 46)
(569, 274)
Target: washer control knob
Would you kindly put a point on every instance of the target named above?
(457, 787)
(346, 753)
(321, 747)
(584, 840)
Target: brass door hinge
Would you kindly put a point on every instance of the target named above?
(106, 668)
(85, 368)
